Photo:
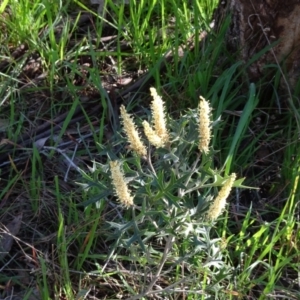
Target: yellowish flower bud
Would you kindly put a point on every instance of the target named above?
(132, 133)
(120, 185)
(153, 138)
(158, 114)
(204, 125)
(219, 203)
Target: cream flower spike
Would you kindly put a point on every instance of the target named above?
(153, 138)
(158, 114)
(132, 133)
(219, 203)
(120, 185)
(204, 111)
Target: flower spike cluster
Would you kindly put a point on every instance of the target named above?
(219, 203)
(158, 136)
(204, 125)
(120, 184)
(132, 133)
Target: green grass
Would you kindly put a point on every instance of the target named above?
(77, 242)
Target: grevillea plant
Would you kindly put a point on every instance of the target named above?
(164, 188)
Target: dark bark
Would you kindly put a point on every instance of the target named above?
(257, 24)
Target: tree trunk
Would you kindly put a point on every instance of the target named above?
(257, 24)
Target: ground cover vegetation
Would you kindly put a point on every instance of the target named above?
(124, 129)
